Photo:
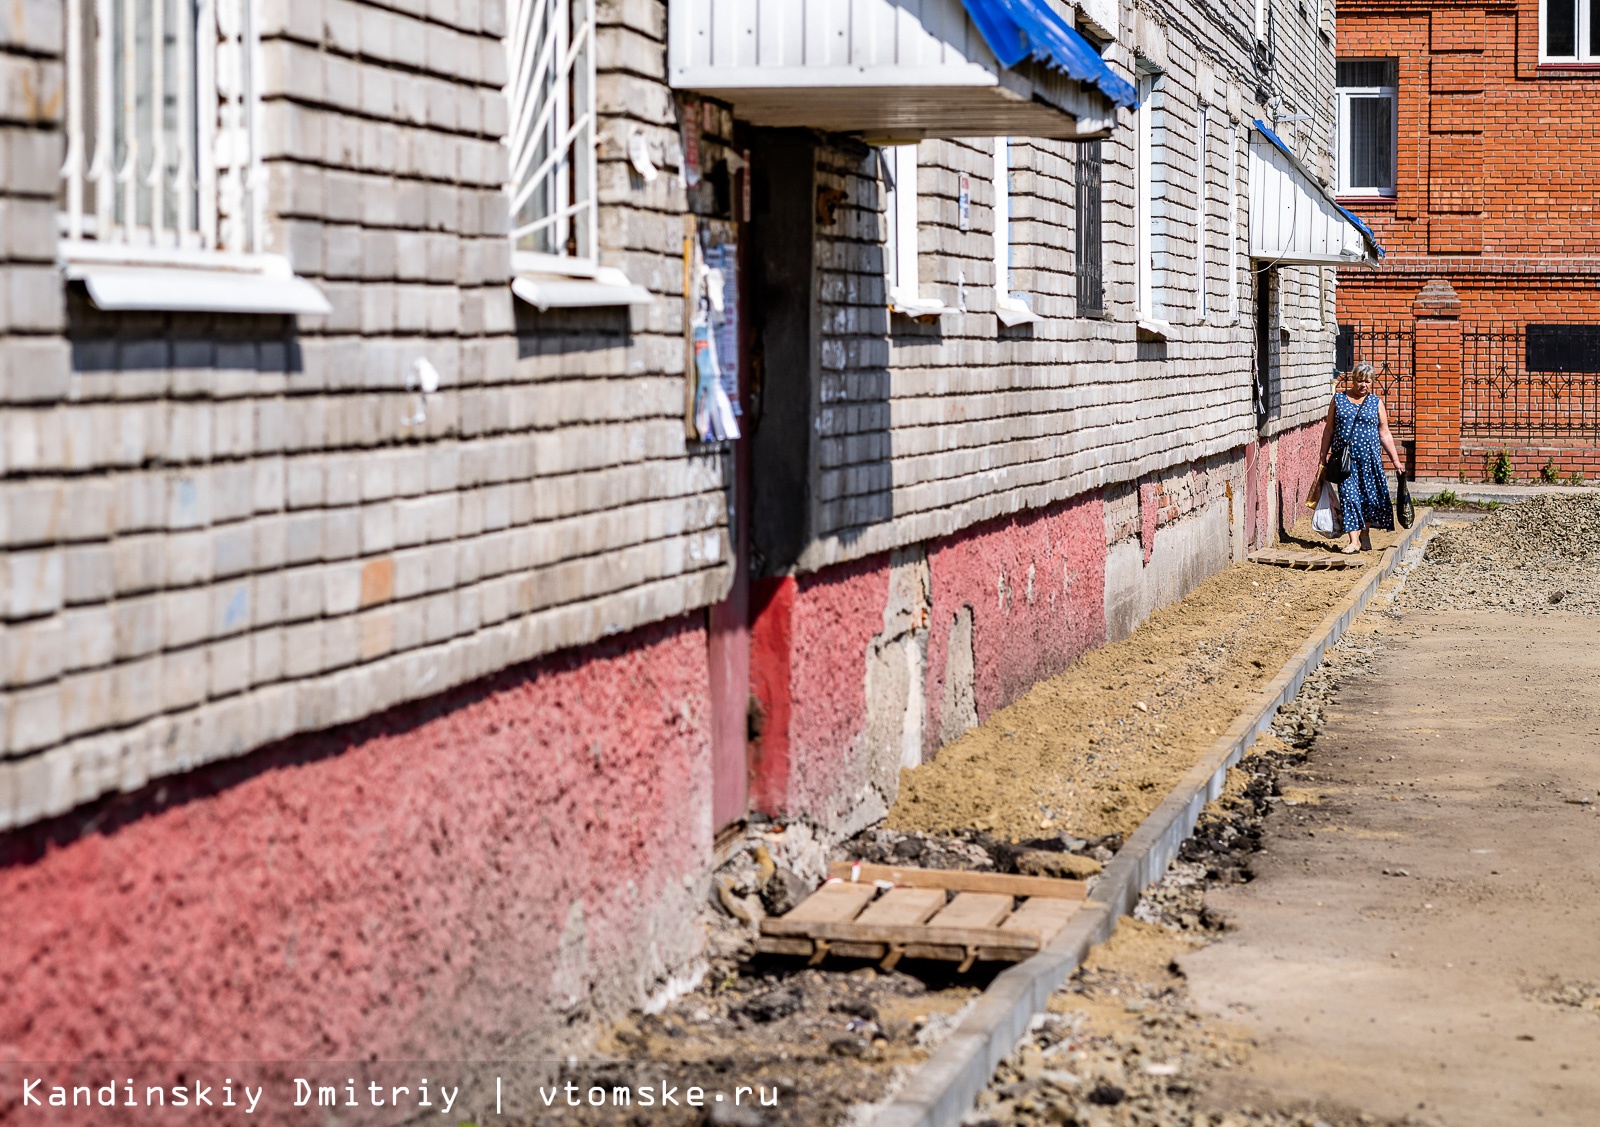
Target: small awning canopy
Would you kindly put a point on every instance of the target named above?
(896, 71)
(1293, 218)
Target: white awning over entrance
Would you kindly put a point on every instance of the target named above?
(1293, 218)
(896, 70)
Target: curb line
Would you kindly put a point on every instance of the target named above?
(945, 1087)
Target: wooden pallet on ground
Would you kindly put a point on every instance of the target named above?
(1306, 561)
(887, 913)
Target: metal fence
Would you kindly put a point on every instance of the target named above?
(1389, 348)
(1501, 398)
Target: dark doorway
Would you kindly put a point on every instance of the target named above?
(1266, 280)
(781, 256)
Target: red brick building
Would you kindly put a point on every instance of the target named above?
(1468, 139)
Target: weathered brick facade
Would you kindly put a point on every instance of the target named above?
(1493, 194)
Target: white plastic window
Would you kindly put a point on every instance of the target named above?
(552, 139)
(900, 249)
(163, 129)
(1011, 306)
(1233, 225)
(1203, 207)
(1569, 31)
(1368, 127)
(1144, 200)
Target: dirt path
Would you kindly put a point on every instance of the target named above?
(1095, 749)
(1420, 936)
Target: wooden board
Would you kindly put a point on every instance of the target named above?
(903, 906)
(1306, 561)
(958, 881)
(835, 900)
(975, 909)
(912, 919)
(1042, 917)
(901, 934)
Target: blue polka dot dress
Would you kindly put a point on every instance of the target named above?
(1365, 493)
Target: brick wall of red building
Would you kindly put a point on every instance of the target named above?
(1495, 176)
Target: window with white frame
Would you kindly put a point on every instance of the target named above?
(1233, 223)
(1569, 31)
(163, 115)
(551, 98)
(899, 164)
(163, 162)
(1010, 306)
(1368, 127)
(550, 93)
(1144, 198)
(1202, 215)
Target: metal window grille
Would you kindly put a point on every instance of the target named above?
(163, 125)
(1503, 395)
(1091, 286)
(1389, 348)
(551, 95)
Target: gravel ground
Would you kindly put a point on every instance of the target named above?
(1122, 1046)
(1536, 557)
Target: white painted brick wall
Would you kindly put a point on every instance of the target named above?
(948, 425)
(216, 532)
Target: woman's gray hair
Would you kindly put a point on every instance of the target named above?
(1362, 368)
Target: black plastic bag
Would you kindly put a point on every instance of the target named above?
(1404, 510)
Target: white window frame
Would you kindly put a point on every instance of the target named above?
(1262, 16)
(1143, 267)
(1347, 94)
(901, 201)
(1586, 52)
(177, 216)
(1203, 205)
(1233, 224)
(553, 190)
(1011, 307)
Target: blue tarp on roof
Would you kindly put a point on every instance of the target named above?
(1372, 239)
(1017, 30)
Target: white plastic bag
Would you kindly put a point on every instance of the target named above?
(1322, 519)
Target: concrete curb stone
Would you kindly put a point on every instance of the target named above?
(947, 1084)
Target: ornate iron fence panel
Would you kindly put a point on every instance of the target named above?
(1501, 398)
(1389, 348)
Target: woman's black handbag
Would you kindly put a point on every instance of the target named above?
(1338, 467)
(1405, 512)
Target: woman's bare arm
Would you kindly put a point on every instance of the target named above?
(1386, 439)
(1322, 456)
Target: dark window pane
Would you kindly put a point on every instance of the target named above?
(1091, 290)
(1366, 72)
(1561, 28)
(1563, 348)
(1594, 28)
(1371, 142)
(1344, 349)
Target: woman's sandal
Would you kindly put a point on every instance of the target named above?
(1350, 549)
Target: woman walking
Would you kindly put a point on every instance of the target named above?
(1357, 420)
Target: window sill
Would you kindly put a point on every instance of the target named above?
(606, 288)
(918, 308)
(1013, 312)
(1576, 68)
(134, 279)
(1147, 329)
(1364, 200)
